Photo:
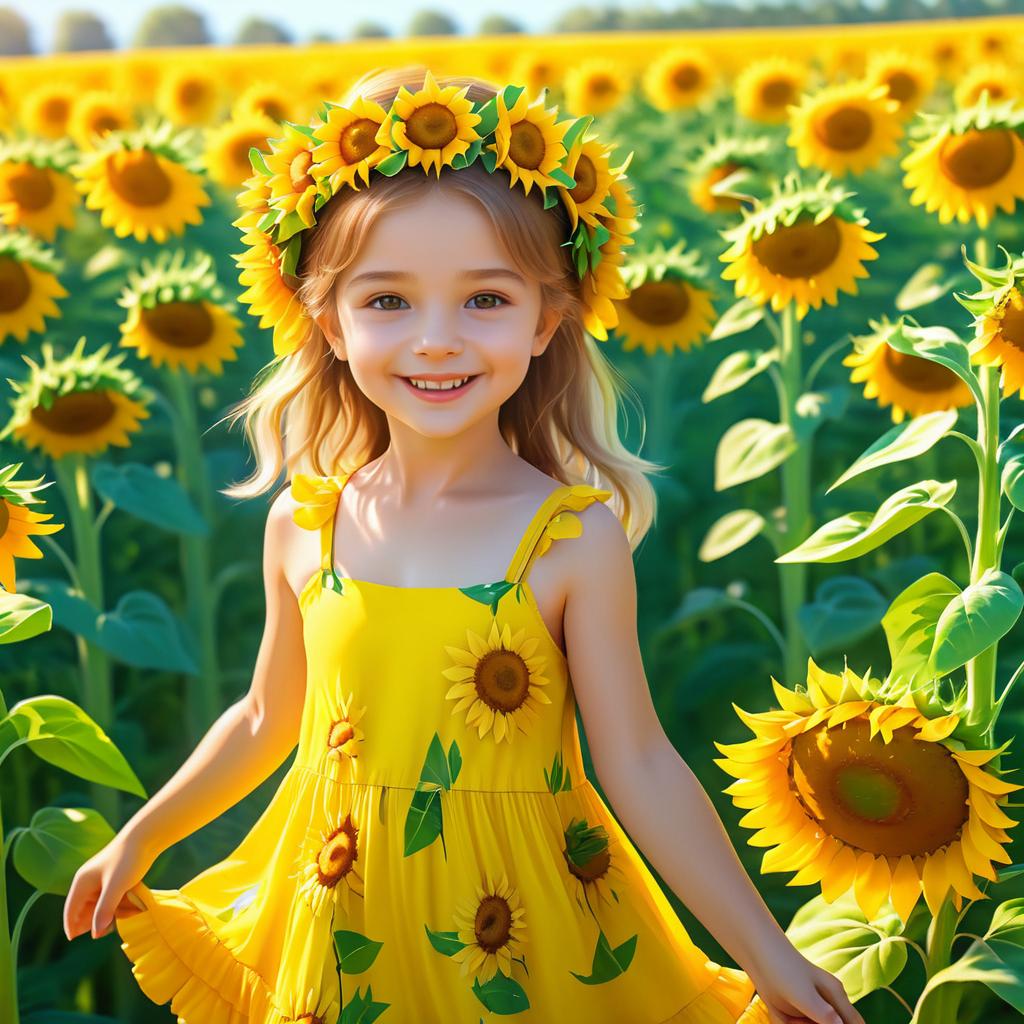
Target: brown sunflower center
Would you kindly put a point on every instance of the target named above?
(526, 145)
(777, 92)
(238, 152)
(56, 109)
(337, 855)
(977, 159)
(902, 797)
(659, 302)
(137, 177)
(272, 108)
(358, 140)
(80, 412)
(686, 77)
(802, 249)
(180, 324)
(902, 86)
(298, 171)
(601, 85)
(918, 374)
(1011, 320)
(502, 680)
(586, 180)
(431, 126)
(192, 92)
(15, 284)
(31, 187)
(844, 129)
(341, 732)
(493, 923)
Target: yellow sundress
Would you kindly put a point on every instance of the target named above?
(435, 852)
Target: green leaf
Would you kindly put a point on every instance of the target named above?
(501, 994)
(997, 965)
(975, 619)
(1013, 480)
(907, 440)
(910, 623)
(1007, 922)
(576, 130)
(729, 533)
(749, 449)
(844, 610)
(56, 843)
(423, 822)
(61, 733)
(735, 370)
(143, 493)
(938, 345)
(356, 952)
(447, 943)
(258, 161)
(838, 938)
(563, 178)
(391, 165)
(926, 285)
(856, 533)
(608, 963)
(23, 617)
(739, 317)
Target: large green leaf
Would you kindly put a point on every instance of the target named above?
(938, 345)
(62, 734)
(858, 532)
(739, 317)
(750, 449)
(838, 938)
(146, 495)
(975, 619)
(1013, 480)
(22, 617)
(844, 609)
(910, 622)
(996, 964)
(56, 843)
(730, 533)
(735, 370)
(907, 440)
(927, 284)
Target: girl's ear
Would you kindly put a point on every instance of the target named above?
(326, 325)
(548, 325)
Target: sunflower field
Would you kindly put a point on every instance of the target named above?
(822, 318)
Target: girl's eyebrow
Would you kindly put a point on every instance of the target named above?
(398, 275)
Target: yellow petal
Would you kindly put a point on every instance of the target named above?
(840, 875)
(959, 873)
(871, 886)
(905, 887)
(935, 880)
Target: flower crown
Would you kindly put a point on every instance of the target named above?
(434, 127)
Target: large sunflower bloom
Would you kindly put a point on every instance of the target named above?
(492, 928)
(849, 791)
(595, 86)
(972, 164)
(36, 192)
(188, 96)
(346, 144)
(589, 165)
(28, 286)
(528, 142)
(766, 88)
(46, 110)
(97, 114)
(845, 128)
(433, 125)
(226, 154)
(908, 78)
(999, 80)
(681, 77)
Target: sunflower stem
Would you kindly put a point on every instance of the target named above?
(8, 974)
(941, 1007)
(796, 494)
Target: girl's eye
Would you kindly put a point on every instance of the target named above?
(389, 296)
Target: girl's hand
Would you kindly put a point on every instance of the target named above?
(795, 991)
(101, 885)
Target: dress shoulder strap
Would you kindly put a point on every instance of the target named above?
(317, 497)
(554, 520)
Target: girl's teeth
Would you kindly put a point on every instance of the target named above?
(437, 385)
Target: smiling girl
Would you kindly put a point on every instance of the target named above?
(448, 577)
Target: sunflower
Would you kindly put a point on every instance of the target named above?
(680, 77)
(77, 405)
(346, 143)
(498, 682)
(28, 285)
(601, 288)
(849, 790)
(666, 308)
(36, 192)
(341, 742)
(971, 163)
(766, 88)
(293, 189)
(845, 128)
(19, 524)
(804, 245)
(142, 184)
(534, 71)
(589, 165)
(595, 86)
(492, 929)
(998, 309)
(433, 125)
(96, 114)
(999, 80)
(176, 314)
(226, 151)
(315, 1007)
(527, 142)
(908, 78)
(188, 96)
(911, 384)
(46, 110)
(592, 865)
(329, 866)
(721, 159)
(265, 99)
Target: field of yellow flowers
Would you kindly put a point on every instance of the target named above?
(823, 316)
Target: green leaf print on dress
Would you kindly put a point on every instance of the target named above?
(608, 963)
(424, 821)
(355, 953)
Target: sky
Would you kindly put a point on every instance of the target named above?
(302, 17)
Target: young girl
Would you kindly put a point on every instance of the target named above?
(433, 574)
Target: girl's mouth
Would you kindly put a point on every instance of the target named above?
(435, 394)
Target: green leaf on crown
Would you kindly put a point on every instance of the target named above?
(391, 165)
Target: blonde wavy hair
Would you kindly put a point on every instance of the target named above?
(563, 418)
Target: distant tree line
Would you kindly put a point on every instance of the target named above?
(180, 25)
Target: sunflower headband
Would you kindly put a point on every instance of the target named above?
(433, 128)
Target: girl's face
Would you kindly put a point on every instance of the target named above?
(433, 296)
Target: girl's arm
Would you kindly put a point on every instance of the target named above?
(255, 734)
(656, 796)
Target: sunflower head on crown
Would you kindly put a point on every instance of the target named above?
(434, 127)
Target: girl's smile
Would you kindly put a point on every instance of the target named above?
(439, 388)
